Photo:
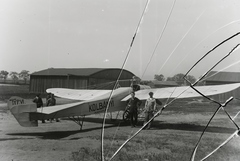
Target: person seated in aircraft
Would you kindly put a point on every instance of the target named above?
(48, 99)
(150, 108)
(52, 102)
(39, 103)
(133, 104)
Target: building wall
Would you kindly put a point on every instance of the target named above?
(107, 78)
(112, 74)
(163, 86)
(95, 83)
(218, 78)
(77, 83)
(39, 84)
(218, 82)
(99, 80)
(225, 96)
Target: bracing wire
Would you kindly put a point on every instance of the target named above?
(180, 42)
(200, 138)
(160, 37)
(159, 112)
(217, 63)
(225, 142)
(124, 63)
(211, 51)
(207, 77)
(113, 138)
(203, 41)
(191, 86)
(220, 105)
(144, 72)
(169, 96)
(107, 84)
(236, 133)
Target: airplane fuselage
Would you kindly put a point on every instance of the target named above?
(97, 105)
(28, 114)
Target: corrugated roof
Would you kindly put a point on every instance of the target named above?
(70, 71)
(223, 76)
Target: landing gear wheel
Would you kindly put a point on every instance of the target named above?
(126, 116)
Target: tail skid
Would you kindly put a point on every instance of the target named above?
(21, 109)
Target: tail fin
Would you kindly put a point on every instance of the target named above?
(21, 109)
(13, 101)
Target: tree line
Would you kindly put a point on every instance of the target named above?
(178, 78)
(24, 74)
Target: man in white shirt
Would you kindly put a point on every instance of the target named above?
(150, 108)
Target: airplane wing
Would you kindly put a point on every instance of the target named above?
(184, 92)
(27, 114)
(77, 94)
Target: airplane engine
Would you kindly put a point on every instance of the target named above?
(140, 87)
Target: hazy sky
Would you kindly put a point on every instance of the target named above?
(40, 34)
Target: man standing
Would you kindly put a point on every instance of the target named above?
(133, 104)
(38, 101)
(150, 107)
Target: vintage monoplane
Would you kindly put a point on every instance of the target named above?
(95, 101)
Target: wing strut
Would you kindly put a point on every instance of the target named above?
(78, 120)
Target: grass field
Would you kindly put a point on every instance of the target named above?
(8, 90)
(173, 135)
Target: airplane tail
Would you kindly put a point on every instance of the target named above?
(21, 109)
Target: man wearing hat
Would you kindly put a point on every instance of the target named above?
(133, 104)
(150, 107)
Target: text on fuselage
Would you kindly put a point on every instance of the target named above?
(101, 105)
(17, 101)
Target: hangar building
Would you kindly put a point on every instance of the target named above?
(218, 78)
(163, 84)
(78, 78)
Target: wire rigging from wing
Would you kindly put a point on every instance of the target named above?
(124, 63)
(113, 139)
(106, 85)
(177, 66)
(159, 112)
(145, 68)
(169, 97)
(220, 71)
(191, 85)
(160, 37)
(236, 133)
(180, 42)
(166, 104)
(204, 75)
(210, 52)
